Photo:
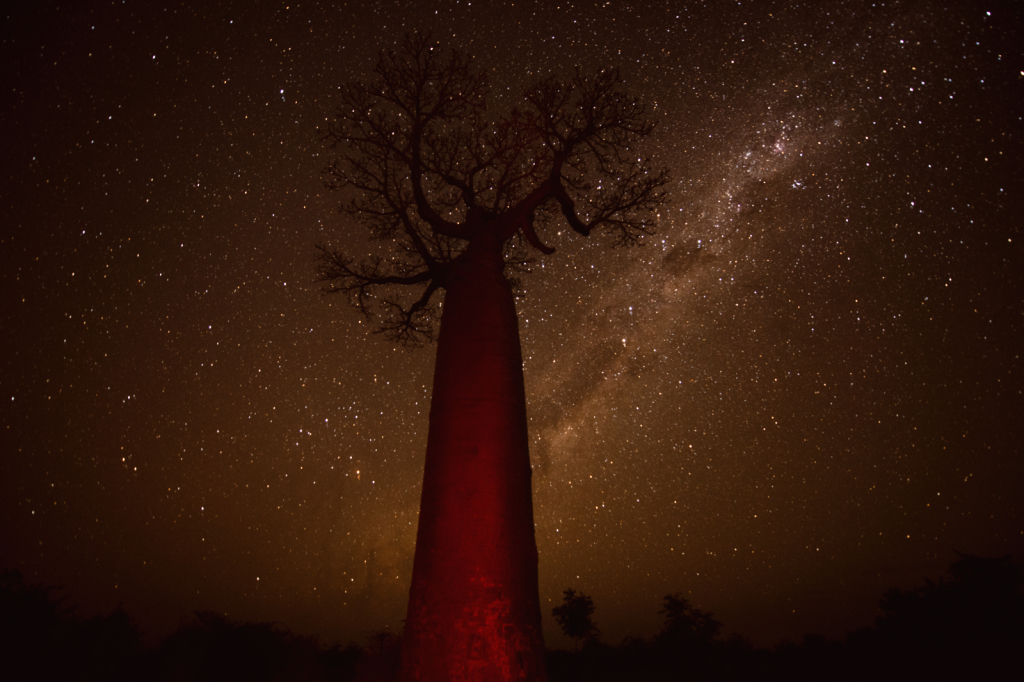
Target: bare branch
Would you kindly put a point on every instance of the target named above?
(426, 169)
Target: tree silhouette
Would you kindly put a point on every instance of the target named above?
(574, 615)
(443, 185)
(209, 646)
(968, 627)
(686, 624)
(428, 169)
(41, 638)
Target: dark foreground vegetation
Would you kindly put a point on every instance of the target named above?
(969, 625)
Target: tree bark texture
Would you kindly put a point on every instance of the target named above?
(474, 611)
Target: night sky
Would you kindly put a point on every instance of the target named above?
(805, 389)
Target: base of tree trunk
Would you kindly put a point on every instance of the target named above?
(474, 611)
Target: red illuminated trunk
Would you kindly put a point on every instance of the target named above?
(474, 611)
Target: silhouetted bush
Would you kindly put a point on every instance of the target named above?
(575, 616)
(688, 647)
(970, 626)
(41, 639)
(213, 648)
(380, 658)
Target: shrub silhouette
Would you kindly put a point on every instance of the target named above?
(969, 626)
(211, 647)
(41, 639)
(574, 615)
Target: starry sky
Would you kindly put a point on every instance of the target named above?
(805, 389)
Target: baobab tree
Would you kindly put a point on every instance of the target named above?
(444, 185)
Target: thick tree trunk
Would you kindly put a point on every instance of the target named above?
(474, 611)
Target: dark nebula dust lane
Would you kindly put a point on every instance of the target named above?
(802, 390)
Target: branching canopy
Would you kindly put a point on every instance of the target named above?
(574, 615)
(427, 168)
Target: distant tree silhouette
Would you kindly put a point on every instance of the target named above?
(211, 647)
(688, 638)
(443, 187)
(380, 657)
(813, 659)
(685, 623)
(971, 626)
(687, 648)
(574, 616)
(109, 646)
(42, 639)
(33, 626)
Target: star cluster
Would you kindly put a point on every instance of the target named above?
(803, 390)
